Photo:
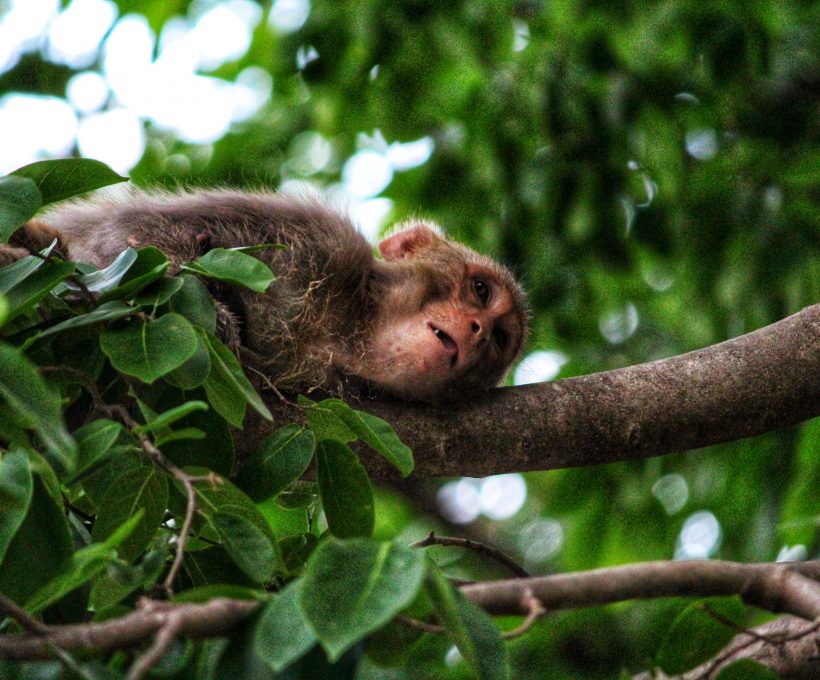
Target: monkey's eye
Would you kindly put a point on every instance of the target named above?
(482, 290)
(501, 338)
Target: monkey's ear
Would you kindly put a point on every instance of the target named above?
(406, 243)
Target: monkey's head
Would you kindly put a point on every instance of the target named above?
(449, 321)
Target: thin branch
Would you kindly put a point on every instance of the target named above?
(163, 640)
(788, 646)
(751, 384)
(423, 626)
(481, 548)
(535, 610)
(212, 619)
(10, 608)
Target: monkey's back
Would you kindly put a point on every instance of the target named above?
(322, 274)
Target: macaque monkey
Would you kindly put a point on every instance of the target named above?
(431, 320)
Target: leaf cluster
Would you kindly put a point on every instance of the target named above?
(117, 393)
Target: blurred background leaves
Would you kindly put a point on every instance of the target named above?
(651, 170)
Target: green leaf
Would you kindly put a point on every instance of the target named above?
(67, 177)
(234, 267)
(33, 288)
(169, 417)
(149, 266)
(470, 628)
(282, 634)
(159, 292)
(347, 496)
(325, 423)
(109, 277)
(227, 387)
(695, 636)
(375, 432)
(281, 458)
(35, 407)
(215, 452)
(243, 530)
(194, 372)
(149, 349)
(42, 543)
(296, 550)
(82, 567)
(109, 311)
(195, 303)
(746, 669)
(377, 581)
(94, 443)
(13, 273)
(19, 200)
(299, 495)
(142, 490)
(205, 593)
(16, 488)
(248, 545)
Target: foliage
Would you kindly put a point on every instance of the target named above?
(651, 170)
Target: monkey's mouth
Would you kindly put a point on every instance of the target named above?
(450, 346)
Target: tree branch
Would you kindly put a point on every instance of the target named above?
(212, 619)
(746, 386)
(788, 646)
(791, 588)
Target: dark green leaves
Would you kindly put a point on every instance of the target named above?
(145, 489)
(234, 267)
(35, 407)
(227, 387)
(333, 419)
(377, 581)
(23, 296)
(696, 636)
(67, 177)
(149, 349)
(15, 495)
(19, 200)
(470, 628)
(241, 528)
(282, 634)
(280, 459)
(347, 496)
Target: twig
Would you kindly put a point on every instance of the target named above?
(163, 640)
(269, 384)
(535, 610)
(740, 630)
(423, 626)
(469, 544)
(10, 608)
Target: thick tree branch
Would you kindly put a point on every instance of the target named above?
(746, 386)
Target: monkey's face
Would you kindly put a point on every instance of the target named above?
(451, 327)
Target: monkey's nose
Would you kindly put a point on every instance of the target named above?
(475, 326)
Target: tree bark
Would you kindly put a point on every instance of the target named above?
(742, 387)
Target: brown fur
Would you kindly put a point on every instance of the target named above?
(313, 326)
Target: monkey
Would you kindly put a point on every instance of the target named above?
(428, 320)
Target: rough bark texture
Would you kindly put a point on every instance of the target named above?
(746, 386)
